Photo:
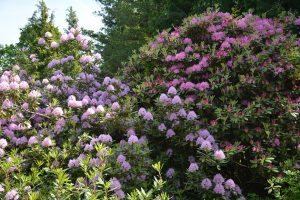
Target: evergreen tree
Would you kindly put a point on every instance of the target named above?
(127, 25)
(72, 18)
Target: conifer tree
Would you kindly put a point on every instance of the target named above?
(72, 18)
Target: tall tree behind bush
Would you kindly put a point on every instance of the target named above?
(72, 18)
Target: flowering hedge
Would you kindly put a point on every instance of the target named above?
(213, 109)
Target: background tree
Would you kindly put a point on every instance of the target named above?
(72, 18)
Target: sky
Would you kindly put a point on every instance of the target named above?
(14, 15)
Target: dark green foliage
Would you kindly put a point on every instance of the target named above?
(286, 186)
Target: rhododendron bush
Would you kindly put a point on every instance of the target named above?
(70, 137)
(240, 77)
(212, 113)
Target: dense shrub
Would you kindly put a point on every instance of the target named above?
(71, 137)
(241, 77)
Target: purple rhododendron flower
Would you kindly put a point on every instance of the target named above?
(190, 137)
(41, 41)
(148, 116)
(218, 179)
(85, 59)
(193, 167)
(229, 184)
(191, 115)
(121, 158)
(218, 36)
(142, 112)
(3, 143)
(180, 56)
(297, 22)
(115, 184)
(132, 139)
(54, 45)
(115, 106)
(172, 90)
(57, 111)
(2, 152)
(219, 189)
(176, 100)
(34, 94)
(32, 140)
(170, 133)
(206, 145)
(202, 86)
(4, 86)
(206, 183)
(163, 98)
(105, 138)
(126, 166)
(170, 172)
(12, 195)
(162, 127)
(48, 34)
